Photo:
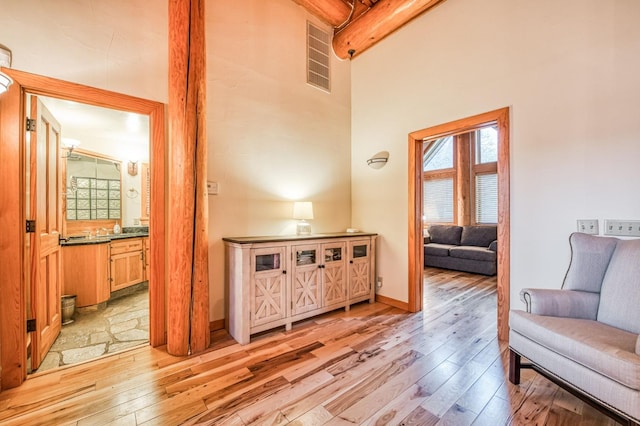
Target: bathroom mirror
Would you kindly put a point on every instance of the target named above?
(93, 187)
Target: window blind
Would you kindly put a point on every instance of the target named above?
(438, 200)
(487, 198)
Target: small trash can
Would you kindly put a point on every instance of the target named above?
(68, 308)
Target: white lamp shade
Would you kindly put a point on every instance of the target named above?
(303, 210)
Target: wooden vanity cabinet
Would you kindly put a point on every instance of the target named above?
(275, 281)
(86, 273)
(127, 263)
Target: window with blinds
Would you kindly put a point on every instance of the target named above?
(487, 199)
(438, 200)
(461, 178)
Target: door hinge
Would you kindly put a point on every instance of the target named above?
(30, 226)
(31, 124)
(31, 325)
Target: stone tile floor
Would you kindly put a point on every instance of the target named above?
(123, 324)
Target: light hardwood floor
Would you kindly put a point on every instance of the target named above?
(373, 365)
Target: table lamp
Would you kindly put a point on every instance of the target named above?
(303, 210)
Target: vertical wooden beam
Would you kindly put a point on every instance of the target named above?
(188, 299)
(463, 179)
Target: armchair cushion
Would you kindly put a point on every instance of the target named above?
(620, 294)
(590, 257)
(561, 303)
(473, 253)
(599, 347)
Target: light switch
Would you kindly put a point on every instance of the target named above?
(588, 226)
(212, 188)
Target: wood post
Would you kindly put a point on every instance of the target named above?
(188, 293)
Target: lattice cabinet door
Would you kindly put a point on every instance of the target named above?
(359, 268)
(268, 293)
(306, 279)
(334, 274)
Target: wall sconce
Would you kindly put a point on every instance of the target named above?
(5, 61)
(69, 145)
(132, 168)
(378, 160)
(303, 210)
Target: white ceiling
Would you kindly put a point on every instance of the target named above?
(107, 131)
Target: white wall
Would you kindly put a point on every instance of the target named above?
(272, 138)
(568, 70)
(118, 45)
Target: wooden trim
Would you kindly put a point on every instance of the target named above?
(12, 287)
(217, 325)
(392, 302)
(145, 190)
(416, 248)
(416, 240)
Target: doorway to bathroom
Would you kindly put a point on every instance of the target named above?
(14, 244)
(97, 164)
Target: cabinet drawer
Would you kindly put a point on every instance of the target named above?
(126, 246)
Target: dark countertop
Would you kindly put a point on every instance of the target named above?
(278, 238)
(81, 241)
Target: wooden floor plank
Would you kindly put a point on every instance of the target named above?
(372, 365)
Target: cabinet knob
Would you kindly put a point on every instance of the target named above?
(284, 272)
(351, 261)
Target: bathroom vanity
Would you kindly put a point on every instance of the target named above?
(96, 267)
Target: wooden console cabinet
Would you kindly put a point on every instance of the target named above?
(275, 281)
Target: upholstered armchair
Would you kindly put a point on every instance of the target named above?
(585, 336)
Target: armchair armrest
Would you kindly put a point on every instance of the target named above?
(427, 239)
(494, 245)
(561, 303)
(638, 345)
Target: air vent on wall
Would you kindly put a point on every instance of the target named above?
(318, 49)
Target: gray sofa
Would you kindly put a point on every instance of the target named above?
(586, 335)
(462, 248)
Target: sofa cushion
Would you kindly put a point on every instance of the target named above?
(479, 236)
(445, 234)
(597, 346)
(473, 253)
(434, 249)
(620, 293)
(590, 256)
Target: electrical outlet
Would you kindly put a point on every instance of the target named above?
(622, 228)
(379, 282)
(588, 226)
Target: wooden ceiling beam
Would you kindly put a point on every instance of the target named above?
(381, 20)
(333, 12)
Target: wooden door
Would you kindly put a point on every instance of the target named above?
(46, 208)
(334, 280)
(306, 290)
(359, 268)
